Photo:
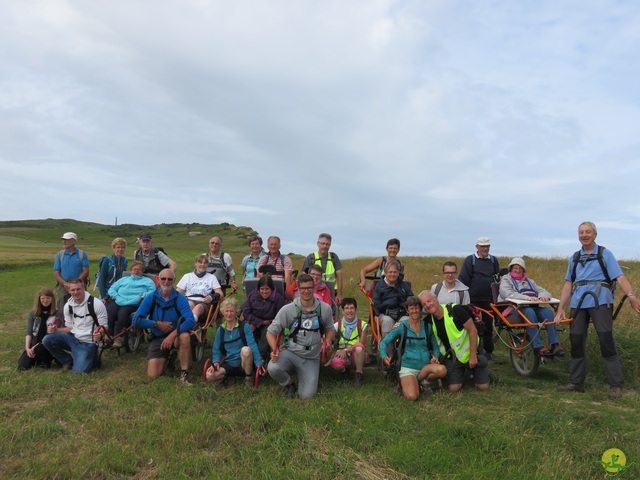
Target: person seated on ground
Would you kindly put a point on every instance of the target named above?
(419, 363)
(379, 264)
(170, 320)
(451, 290)
(259, 310)
(234, 348)
(321, 291)
(250, 262)
(307, 319)
(282, 263)
(82, 315)
(517, 286)
(112, 267)
(124, 298)
(352, 338)
(330, 265)
(153, 258)
(43, 314)
(221, 265)
(458, 341)
(200, 287)
(390, 297)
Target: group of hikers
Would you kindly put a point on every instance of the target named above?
(288, 323)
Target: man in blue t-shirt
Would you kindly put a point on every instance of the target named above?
(589, 286)
(69, 263)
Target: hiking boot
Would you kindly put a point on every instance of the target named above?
(185, 379)
(290, 391)
(557, 350)
(490, 356)
(66, 367)
(615, 392)
(571, 387)
(426, 387)
(118, 342)
(248, 381)
(358, 381)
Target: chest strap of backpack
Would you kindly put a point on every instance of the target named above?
(297, 324)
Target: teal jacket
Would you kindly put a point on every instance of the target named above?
(416, 352)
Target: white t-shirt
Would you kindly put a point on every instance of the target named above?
(194, 286)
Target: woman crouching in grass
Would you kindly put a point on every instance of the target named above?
(418, 364)
(234, 348)
(42, 315)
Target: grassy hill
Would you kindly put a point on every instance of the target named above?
(115, 423)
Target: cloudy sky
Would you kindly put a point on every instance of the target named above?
(431, 121)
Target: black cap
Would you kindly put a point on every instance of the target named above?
(145, 236)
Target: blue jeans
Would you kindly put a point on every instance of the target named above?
(537, 315)
(83, 353)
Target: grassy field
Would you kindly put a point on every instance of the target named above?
(115, 423)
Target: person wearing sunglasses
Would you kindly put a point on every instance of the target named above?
(168, 315)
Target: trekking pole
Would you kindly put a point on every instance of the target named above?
(615, 314)
(260, 372)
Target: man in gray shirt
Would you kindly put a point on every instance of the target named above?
(308, 320)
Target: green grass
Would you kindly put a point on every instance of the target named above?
(115, 423)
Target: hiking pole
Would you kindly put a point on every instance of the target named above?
(615, 314)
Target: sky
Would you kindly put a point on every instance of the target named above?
(433, 121)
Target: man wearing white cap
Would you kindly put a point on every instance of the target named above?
(478, 272)
(70, 262)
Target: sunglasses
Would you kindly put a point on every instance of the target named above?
(166, 279)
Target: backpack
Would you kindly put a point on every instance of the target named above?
(494, 260)
(154, 266)
(396, 359)
(297, 324)
(105, 258)
(243, 337)
(173, 304)
(91, 308)
(576, 259)
(460, 293)
(82, 255)
(474, 312)
(218, 268)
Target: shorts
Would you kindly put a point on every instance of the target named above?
(405, 372)
(232, 371)
(155, 350)
(455, 371)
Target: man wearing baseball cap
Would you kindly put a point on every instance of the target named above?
(70, 262)
(478, 272)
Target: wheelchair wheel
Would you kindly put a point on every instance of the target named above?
(198, 344)
(132, 339)
(525, 362)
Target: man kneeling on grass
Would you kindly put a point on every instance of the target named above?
(307, 319)
(458, 342)
(170, 320)
(82, 314)
(234, 349)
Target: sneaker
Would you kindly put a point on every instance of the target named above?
(543, 352)
(358, 381)
(615, 392)
(185, 379)
(118, 342)
(571, 387)
(290, 391)
(66, 367)
(248, 381)
(557, 350)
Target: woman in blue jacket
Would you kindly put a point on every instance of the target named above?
(419, 362)
(126, 295)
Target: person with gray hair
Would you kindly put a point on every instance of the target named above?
(588, 288)
(390, 297)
